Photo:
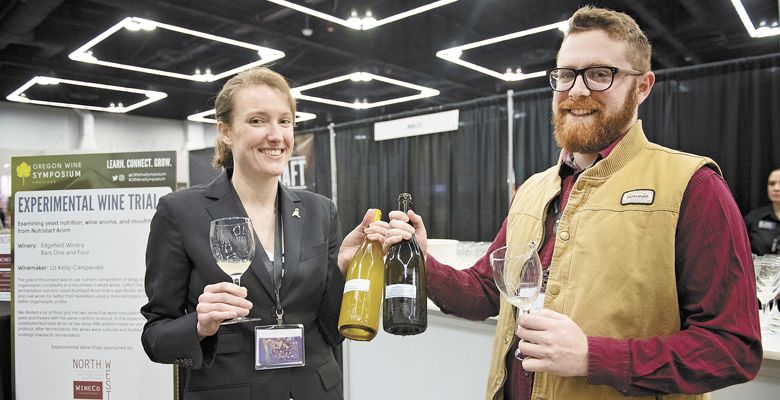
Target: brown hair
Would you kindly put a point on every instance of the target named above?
(618, 26)
(223, 109)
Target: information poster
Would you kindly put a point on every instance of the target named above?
(80, 228)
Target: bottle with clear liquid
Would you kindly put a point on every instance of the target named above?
(405, 305)
(362, 299)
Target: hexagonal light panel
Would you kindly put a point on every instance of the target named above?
(363, 77)
(37, 85)
(762, 30)
(208, 116)
(454, 54)
(143, 27)
(366, 23)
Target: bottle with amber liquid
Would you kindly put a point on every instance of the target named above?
(362, 299)
(405, 305)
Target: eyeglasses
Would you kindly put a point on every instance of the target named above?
(597, 79)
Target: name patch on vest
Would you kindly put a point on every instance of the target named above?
(639, 196)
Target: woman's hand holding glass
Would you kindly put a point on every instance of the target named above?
(219, 302)
(232, 243)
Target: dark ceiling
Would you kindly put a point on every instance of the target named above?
(36, 37)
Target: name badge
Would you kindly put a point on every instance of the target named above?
(639, 196)
(279, 346)
(769, 225)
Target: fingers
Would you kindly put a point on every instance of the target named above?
(224, 297)
(220, 301)
(377, 230)
(555, 343)
(367, 218)
(416, 220)
(398, 215)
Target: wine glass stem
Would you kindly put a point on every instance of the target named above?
(764, 320)
(236, 279)
(520, 311)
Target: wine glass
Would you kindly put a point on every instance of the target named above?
(767, 269)
(232, 243)
(517, 271)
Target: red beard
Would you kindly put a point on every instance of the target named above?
(592, 137)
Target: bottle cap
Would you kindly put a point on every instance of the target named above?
(377, 214)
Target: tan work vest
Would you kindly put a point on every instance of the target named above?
(613, 268)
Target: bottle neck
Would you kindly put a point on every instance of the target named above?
(404, 205)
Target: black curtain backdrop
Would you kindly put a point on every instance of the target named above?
(729, 111)
(457, 179)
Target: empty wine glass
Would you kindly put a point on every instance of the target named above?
(517, 271)
(232, 243)
(767, 269)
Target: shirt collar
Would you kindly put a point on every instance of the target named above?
(568, 157)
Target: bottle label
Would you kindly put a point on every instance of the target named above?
(400, 290)
(360, 285)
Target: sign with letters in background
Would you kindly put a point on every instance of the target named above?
(81, 223)
(445, 121)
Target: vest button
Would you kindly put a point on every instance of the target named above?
(564, 235)
(553, 289)
(580, 185)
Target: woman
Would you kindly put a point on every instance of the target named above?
(763, 224)
(189, 295)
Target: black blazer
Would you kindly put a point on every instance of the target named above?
(179, 264)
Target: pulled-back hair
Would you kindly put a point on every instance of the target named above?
(617, 26)
(225, 103)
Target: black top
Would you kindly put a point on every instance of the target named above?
(764, 231)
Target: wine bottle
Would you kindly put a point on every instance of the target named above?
(405, 305)
(362, 299)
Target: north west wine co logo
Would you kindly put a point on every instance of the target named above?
(92, 378)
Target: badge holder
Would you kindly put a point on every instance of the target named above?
(279, 346)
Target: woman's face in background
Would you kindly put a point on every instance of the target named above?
(773, 186)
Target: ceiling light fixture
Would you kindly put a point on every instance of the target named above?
(454, 54)
(365, 23)
(208, 116)
(364, 104)
(85, 53)
(761, 31)
(20, 96)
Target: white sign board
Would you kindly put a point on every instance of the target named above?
(446, 121)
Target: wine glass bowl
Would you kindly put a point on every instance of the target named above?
(517, 272)
(232, 243)
(767, 268)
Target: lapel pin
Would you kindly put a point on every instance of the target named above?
(297, 212)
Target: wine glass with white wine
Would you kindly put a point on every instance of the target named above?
(517, 271)
(767, 269)
(232, 243)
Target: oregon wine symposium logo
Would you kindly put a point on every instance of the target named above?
(47, 172)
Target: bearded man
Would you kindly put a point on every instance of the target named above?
(650, 289)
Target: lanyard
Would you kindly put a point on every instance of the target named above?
(277, 272)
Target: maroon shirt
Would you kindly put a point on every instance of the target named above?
(719, 341)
